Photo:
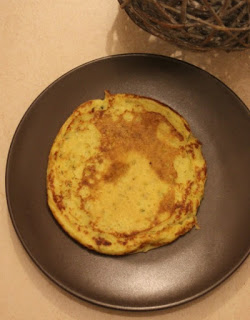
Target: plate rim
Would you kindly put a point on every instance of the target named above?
(33, 258)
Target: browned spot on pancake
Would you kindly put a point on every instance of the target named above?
(142, 245)
(188, 190)
(189, 207)
(99, 159)
(116, 170)
(178, 216)
(127, 236)
(93, 225)
(187, 127)
(190, 151)
(111, 98)
(123, 243)
(89, 246)
(191, 146)
(55, 155)
(88, 177)
(178, 205)
(82, 205)
(69, 128)
(59, 201)
(50, 179)
(167, 204)
(175, 132)
(197, 144)
(201, 173)
(101, 241)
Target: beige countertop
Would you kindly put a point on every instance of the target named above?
(40, 40)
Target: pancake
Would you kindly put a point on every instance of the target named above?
(125, 174)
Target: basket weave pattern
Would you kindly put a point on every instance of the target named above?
(196, 24)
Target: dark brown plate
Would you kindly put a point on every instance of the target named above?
(167, 276)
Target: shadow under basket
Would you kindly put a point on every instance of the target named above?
(194, 24)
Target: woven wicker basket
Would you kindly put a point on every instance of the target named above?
(196, 24)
